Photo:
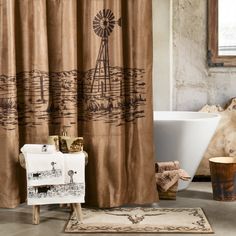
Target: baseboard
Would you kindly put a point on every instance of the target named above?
(202, 178)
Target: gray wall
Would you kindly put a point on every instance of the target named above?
(162, 55)
(194, 84)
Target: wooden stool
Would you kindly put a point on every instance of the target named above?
(36, 208)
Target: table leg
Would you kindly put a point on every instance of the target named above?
(36, 215)
(78, 211)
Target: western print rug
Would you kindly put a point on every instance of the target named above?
(140, 220)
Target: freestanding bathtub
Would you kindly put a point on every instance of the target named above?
(183, 136)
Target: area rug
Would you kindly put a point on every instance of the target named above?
(140, 220)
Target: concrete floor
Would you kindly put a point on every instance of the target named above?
(222, 215)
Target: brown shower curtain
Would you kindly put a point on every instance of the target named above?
(84, 65)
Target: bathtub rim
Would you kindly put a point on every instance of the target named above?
(206, 116)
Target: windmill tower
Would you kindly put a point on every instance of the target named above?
(71, 173)
(53, 166)
(103, 24)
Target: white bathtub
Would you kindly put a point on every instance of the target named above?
(183, 136)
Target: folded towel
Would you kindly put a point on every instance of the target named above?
(184, 175)
(163, 166)
(74, 165)
(166, 179)
(168, 174)
(44, 169)
(38, 148)
(56, 194)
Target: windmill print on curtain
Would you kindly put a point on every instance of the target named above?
(104, 86)
(86, 65)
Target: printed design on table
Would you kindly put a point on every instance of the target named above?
(71, 173)
(60, 190)
(46, 174)
(107, 93)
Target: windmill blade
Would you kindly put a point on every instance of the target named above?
(106, 13)
(111, 28)
(111, 17)
(100, 32)
(100, 14)
(104, 23)
(109, 13)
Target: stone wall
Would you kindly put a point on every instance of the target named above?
(194, 84)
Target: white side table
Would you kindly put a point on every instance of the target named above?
(36, 208)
